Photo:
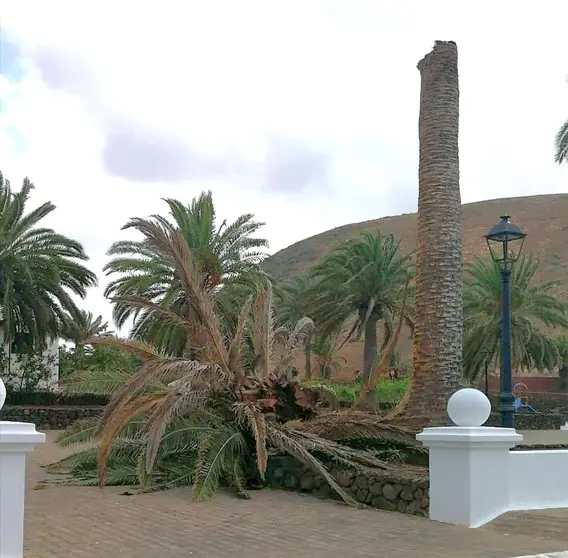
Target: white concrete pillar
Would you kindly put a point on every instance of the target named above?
(565, 426)
(469, 463)
(16, 439)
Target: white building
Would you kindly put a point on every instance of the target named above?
(40, 370)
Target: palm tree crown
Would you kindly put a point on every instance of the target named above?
(533, 307)
(561, 144)
(82, 326)
(225, 254)
(39, 270)
(363, 281)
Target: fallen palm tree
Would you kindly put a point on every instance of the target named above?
(211, 416)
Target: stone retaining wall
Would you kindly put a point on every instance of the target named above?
(49, 418)
(542, 402)
(385, 491)
(531, 421)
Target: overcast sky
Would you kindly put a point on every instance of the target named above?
(303, 112)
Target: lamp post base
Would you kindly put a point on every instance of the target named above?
(507, 409)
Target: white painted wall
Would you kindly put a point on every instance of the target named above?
(538, 479)
(475, 477)
(52, 350)
(16, 440)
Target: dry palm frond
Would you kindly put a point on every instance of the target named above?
(285, 441)
(344, 455)
(324, 393)
(171, 407)
(355, 424)
(263, 331)
(201, 302)
(292, 341)
(158, 420)
(145, 379)
(119, 422)
(174, 246)
(236, 350)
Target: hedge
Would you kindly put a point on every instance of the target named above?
(54, 399)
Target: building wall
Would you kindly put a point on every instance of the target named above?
(535, 384)
(52, 351)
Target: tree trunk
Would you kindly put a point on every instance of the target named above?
(370, 358)
(438, 334)
(563, 374)
(308, 357)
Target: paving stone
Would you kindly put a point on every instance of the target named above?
(78, 522)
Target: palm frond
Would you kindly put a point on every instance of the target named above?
(216, 456)
(285, 441)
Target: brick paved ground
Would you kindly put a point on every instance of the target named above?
(72, 522)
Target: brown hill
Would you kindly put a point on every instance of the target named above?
(543, 218)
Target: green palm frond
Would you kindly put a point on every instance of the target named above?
(39, 270)
(561, 144)
(227, 258)
(215, 458)
(533, 306)
(101, 381)
(79, 432)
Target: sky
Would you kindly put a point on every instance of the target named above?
(303, 112)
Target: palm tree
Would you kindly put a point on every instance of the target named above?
(438, 333)
(561, 144)
(39, 270)
(360, 283)
(562, 348)
(328, 362)
(205, 419)
(80, 327)
(226, 254)
(534, 308)
(291, 307)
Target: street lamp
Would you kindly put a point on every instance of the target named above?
(487, 374)
(505, 241)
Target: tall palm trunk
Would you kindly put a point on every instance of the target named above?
(438, 334)
(370, 357)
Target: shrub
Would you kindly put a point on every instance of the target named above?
(27, 371)
(388, 393)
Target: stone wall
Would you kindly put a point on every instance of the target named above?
(401, 492)
(541, 402)
(549, 402)
(49, 418)
(531, 421)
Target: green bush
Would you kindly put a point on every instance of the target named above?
(388, 393)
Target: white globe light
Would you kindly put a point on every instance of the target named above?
(469, 407)
(2, 393)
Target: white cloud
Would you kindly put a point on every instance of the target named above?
(303, 112)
